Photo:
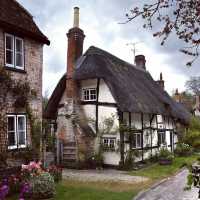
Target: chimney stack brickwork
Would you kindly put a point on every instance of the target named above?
(75, 49)
(161, 82)
(140, 61)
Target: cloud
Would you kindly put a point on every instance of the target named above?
(100, 22)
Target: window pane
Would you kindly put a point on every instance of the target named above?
(21, 136)
(19, 47)
(134, 141)
(112, 143)
(19, 60)
(9, 57)
(21, 123)
(9, 42)
(11, 139)
(11, 124)
(138, 140)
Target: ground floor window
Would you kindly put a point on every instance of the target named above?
(16, 131)
(137, 140)
(109, 143)
(161, 137)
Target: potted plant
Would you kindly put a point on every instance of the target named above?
(165, 156)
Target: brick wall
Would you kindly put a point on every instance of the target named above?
(33, 68)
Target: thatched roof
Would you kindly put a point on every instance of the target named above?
(15, 18)
(133, 89)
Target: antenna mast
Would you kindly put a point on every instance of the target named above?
(133, 48)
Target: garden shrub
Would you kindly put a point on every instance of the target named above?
(42, 186)
(56, 172)
(129, 160)
(165, 155)
(192, 136)
(183, 149)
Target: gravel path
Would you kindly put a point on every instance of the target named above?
(101, 175)
(172, 189)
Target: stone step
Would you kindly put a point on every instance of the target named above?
(69, 156)
(69, 151)
(69, 148)
(69, 144)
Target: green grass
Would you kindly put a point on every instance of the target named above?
(91, 191)
(157, 172)
(77, 190)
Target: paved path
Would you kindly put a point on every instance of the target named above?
(101, 175)
(172, 189)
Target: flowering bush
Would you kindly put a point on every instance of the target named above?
(32, 182)
(42, 186)
(183, 149)
(56, 172)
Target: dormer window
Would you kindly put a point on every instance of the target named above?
(89, 94)
(14, 52)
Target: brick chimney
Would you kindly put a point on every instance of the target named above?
(177, 96)
(75, 49)
(140, 61)
(161, 82)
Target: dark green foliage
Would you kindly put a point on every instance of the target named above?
(183, 149)
(42, 186)
(192, 136)
(165, 156)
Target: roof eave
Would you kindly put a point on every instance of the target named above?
(12, 28)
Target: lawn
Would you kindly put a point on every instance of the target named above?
(156, 172)
(79, 190)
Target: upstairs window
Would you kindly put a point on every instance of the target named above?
(161, 138)
(16, 131)
(89, 94)
(14, 52)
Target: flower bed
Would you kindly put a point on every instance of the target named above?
(32, 182)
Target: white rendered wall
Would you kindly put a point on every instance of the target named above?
(105, 93)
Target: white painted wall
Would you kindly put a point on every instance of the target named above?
(105, 94)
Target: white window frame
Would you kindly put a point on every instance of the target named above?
(21, 53)
(16, 117)
(89, 90)
(23, 145)
(15, 128)
(108, 145)
(161, 133)
(136, 146)
(14, 51)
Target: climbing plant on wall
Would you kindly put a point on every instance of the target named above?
(15, 94)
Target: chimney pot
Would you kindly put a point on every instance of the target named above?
(161, 82)
(76, 17)
(140, 61)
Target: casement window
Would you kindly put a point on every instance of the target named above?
(161, 137)
(109, 143)
(16, 131)
(89, 94)
(137, 140)
(14, 52)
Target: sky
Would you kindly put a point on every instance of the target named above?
(101, 22)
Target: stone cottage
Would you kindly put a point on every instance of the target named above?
(21, 62)
(105, 102)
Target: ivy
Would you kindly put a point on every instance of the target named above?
(14, 94)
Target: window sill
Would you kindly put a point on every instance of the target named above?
(15, 70)
(10, 148)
